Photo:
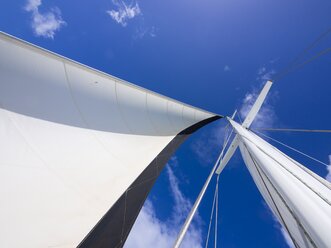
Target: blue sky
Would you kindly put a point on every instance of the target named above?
(212, 54)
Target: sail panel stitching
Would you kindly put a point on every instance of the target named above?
(272, 199)
(294, 175)
(321, 180)
(283, 200)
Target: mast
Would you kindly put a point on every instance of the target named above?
(246, 124)
(222, 161)
(300, 199)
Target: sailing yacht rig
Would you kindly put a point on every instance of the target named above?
(80, 151)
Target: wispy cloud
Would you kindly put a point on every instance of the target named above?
(263, 74)
(124, 12)
(328, 176)
(226, 68)
(208, 145)
(150, 231)
(44, 24)
(272, 61)
(144, 31)
(278, 226)
(182, 204)
(285, 234)
(266, 117)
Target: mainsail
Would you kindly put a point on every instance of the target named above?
(79, 149)
(300, 199)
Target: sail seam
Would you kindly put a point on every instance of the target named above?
(271, 197)
(148, 116)
(120, 109)
(81, 115)
(324, 182)
(284, 202)
(131, 224)
(263, 190)
(92, 134)
(168, 117)
(294, 175)
(24, 44)
(36, 151)
(143, 182)
(103, 234)
(293, 149)
(123, 224)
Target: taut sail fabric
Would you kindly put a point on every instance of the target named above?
(299, 198)
(79, 149)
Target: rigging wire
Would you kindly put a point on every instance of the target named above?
(240, 119)
(321, 53)
(188, 220)
(291, 172)
(272, 198)
(295, 64)
(211, 217)
(295, 130)
(314, 43)
(227, 136)
(226, 129)
(216, 210)
(293, 149)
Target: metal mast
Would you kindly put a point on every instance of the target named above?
(222, 161)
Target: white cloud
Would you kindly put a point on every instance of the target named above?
(44, 24)
(226, 68)
(264, 75)
(272, 61)
(32, 5)
(144, 31)
(286, 236)
(182, 204)
(283, 231)
(278, 226)
(150, 231)
(328, 176)
(124, 12)
(208, 145)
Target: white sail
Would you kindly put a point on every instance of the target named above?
(299, 200)
(79, 149)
